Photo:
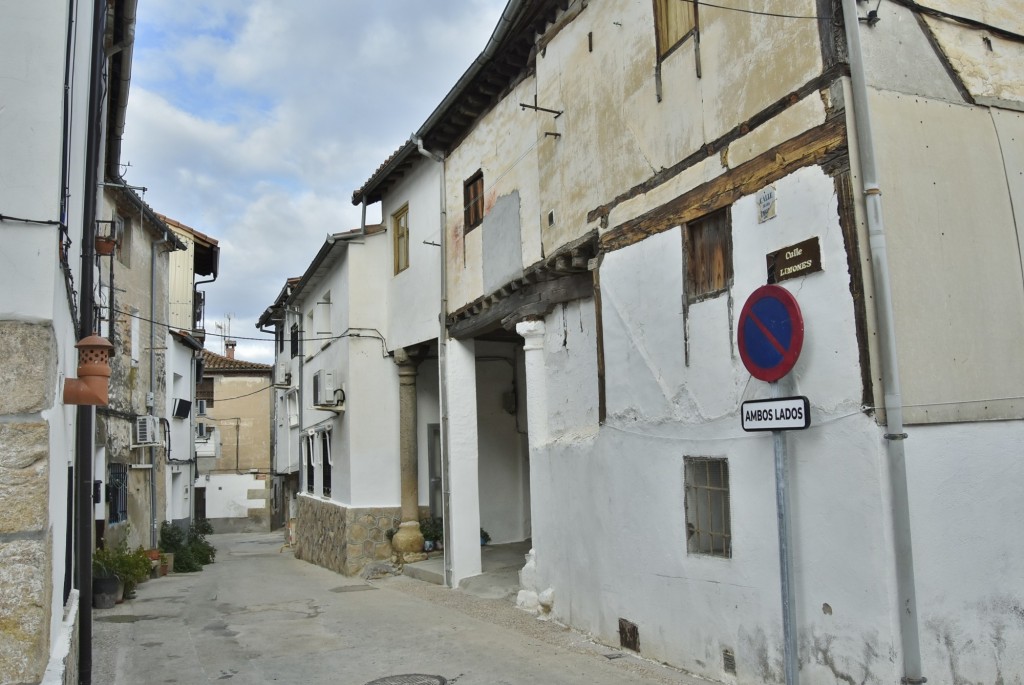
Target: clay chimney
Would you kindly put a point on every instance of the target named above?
(229, 348)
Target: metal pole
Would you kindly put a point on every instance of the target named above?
(785, 572)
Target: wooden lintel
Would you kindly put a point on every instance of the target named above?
(533, 300)
(814, 146)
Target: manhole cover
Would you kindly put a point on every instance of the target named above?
(409, 679)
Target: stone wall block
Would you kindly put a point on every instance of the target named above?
(340, 538)
(24, 482)
(24, 602)
(29, 368)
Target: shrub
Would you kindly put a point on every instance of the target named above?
(432, 528)
(190, 548)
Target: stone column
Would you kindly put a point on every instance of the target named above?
(408, 541)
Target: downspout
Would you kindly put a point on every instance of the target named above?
(442, 363)
(894, 435)
(85, 415)
(65, 174)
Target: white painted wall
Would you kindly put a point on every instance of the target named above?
(414, 295)
(428, 411)
(32, 286)
(227, 494)
(180, 385)
(588, 483)
(462, 543)
(966, 511)
(503, 464)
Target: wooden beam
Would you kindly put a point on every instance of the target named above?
(533, 300)
(818, 83)
(813, 146)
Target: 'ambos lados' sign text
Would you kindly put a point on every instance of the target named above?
(784, 413)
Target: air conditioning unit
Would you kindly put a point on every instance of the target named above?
(282, 374)
(326, 395)
(146, 431)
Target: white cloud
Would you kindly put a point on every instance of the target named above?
(254, 120)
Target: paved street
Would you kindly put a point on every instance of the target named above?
(258, 615)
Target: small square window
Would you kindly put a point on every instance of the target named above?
(708, 256)
(400, 231)
(708, 521)
(473, 195)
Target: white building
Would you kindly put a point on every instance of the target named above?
(341, 402)
(619, 178)
(54, 164)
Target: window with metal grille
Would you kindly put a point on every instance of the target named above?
(708, 256)
(310, 465)
(674, 21)
(204, 392)
(326, 461)
(117, 493)
(473, 195)
(295, 339)
(400, 231)
(708, 522)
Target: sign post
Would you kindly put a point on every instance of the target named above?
(770, 336)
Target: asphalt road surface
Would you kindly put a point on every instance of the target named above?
(258, 615)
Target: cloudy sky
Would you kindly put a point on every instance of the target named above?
(254, 120)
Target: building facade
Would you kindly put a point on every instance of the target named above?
(232, 420)
(619, 179)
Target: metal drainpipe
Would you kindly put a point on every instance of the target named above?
(442, 364)
(904, 556)
(65, 173)
(85, 415)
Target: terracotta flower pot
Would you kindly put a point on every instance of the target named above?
(105, 246)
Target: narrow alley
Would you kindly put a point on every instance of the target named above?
(258, 615)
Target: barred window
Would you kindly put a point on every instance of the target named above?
(117, 493)
(708, 524)
(310, 465)
(326, 461)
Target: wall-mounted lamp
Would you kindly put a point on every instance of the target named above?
(93, 382)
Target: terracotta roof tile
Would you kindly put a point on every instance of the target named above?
(213, 362)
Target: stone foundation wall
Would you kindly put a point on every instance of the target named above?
(27, 375)
(340, 538)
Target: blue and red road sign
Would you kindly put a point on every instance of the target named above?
(771, 333)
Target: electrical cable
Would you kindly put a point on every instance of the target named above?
(346, 334)
(41, 222)
(966, 21)
(238, 397)
(746, 11)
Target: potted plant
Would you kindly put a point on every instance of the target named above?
(432, 529)
(105, 245)
(130, 566)
(104, 579)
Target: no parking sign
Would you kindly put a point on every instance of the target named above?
(771, 333)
